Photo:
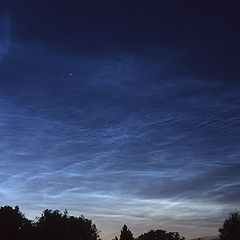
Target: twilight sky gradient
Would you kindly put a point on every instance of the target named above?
(127, 113)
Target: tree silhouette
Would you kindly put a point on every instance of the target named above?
(231, 227)
(60, 226)
(160, 235)
(13, 224)
(51, 225)
(126, 234)
(55, 225)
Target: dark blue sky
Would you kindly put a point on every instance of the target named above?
(127, 113)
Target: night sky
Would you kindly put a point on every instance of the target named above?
(125, 112)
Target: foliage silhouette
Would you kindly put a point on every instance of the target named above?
(231, 227)
(160, 235)
(126, 234)
(14, 224)
(51, 225)
(55, 225)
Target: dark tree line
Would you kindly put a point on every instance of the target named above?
(229, 231)
(60, 226)
(51, 225)
(126, 234)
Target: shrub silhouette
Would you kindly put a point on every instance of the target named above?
(160, 235)
(231, 227)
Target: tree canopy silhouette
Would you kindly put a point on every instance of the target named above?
(160, 235)
(126, 234)
(60, 226)
(51, 225)
(231, 227)
(56, 225)
(13, 224)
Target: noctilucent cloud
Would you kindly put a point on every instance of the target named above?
(127, 113)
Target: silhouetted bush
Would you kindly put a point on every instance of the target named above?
(231, 227)
(160, 235)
